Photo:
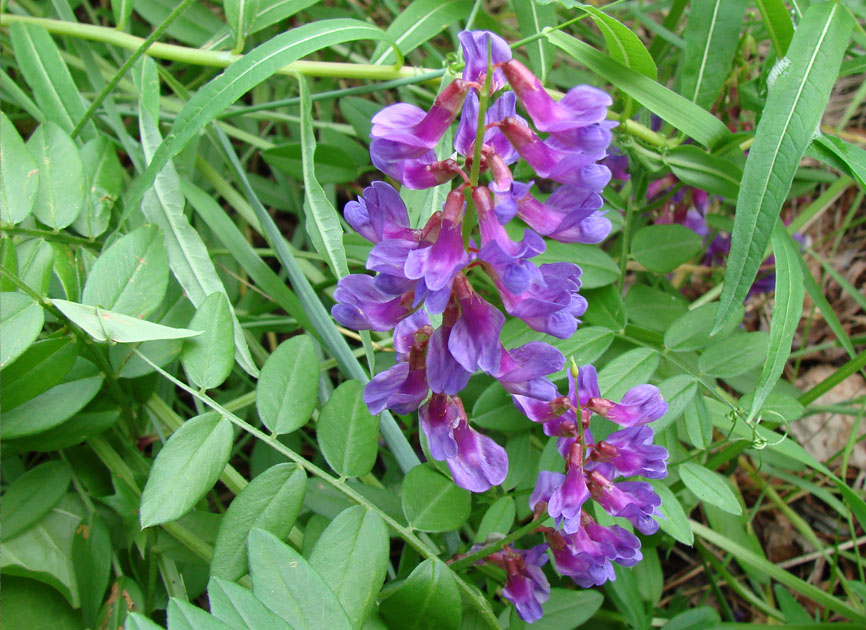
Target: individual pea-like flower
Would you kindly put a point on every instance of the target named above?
(526, 586)
(476, 462)
(380, 214)
(475, 45)
(632, 500)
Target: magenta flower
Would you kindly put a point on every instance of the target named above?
(633, 500)
(632, 452)
(640, 405)
(440, 255)
(570, 215)
(502, 108)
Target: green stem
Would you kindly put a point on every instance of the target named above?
(404, 532)
(215, 59)
(481, 127)
(141, 50)
(467, 561)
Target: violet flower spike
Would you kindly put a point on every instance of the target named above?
(438, 261)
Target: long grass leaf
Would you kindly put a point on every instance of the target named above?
(778, 23)
(792, 114)
(421, 21)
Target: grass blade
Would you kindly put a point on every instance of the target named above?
(420, 22)
(322, 223)
(778, 23)
(532, 18)
(792, 114)
(666, 104)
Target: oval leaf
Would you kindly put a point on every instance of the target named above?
(432, 503)
(427, 600)
(186, 468)
(61, 176)
(105, 325)
(347, 433)
(208, 358)
(239, 608)
(286, 394)
(662, 248)
(270, 502)
(284, 582)
(19, 175)
(351, 555)
(131, 276)
(735, 355)
(21, 320)
(709, 486)
(32, 495)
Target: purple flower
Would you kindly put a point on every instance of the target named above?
(403, 387)
(566, 501)
(566, 167)
(524, 370)
(474, 339)
(570, 215)
(475, 45)
(582, 105)
(632, 452)
(444, 374)
(476, 462)
(620, 545)
(640, 405)
(633, 500)
(411, 130)
(362, 306)
(580, 557)
(379, 214)
(526, 585)
(441, 255)
(464, 140)
(617, 162)
(550, 305)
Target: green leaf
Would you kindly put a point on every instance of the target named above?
(351, 555)
(653, 308)
(269, 12)
(792, 114)
(623, 45)
(35, 606)
(662, 248)
(131, 276)
(606, 308)
(105, 325)
(54, 406)
(40, 368)
(53, 88)
(270, 502)
(91, 559)
(627, 370)
(240, 77)
(666, 104)
(21, 320)
(778, 23)
(347, 433)
(692, 330)
(184, 616)
(709, 486)
(322, 222)
(193, 26)
(626, 598)
(532, 19)
(418, 23)
(44, 551)
(432, 503)
(699, 424)
(35, 264)
(61, 176)
(677, 391)
(19, 175)
(105, 181)
(32, 495)
(587, 344)
(239, 608)
(427, 600)
(121, 10)
(494, 409)
(853, 158)
(520, 460)
(240, 15)
(734, 355)
(208, 358)
(566, 608)
(287, 390)
(186, 468)
(498, 518)
(598, 269)
(787, 310)
(675, 521)
(284, 582)
(187, 255)
(712, 32)
(333, 165)
(703, 170)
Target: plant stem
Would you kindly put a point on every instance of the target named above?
(404, 532)
(520, 532)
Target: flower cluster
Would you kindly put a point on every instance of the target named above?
(582, 548)
(427, 271)
(430, 274)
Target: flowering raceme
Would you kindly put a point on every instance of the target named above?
(434, 273)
